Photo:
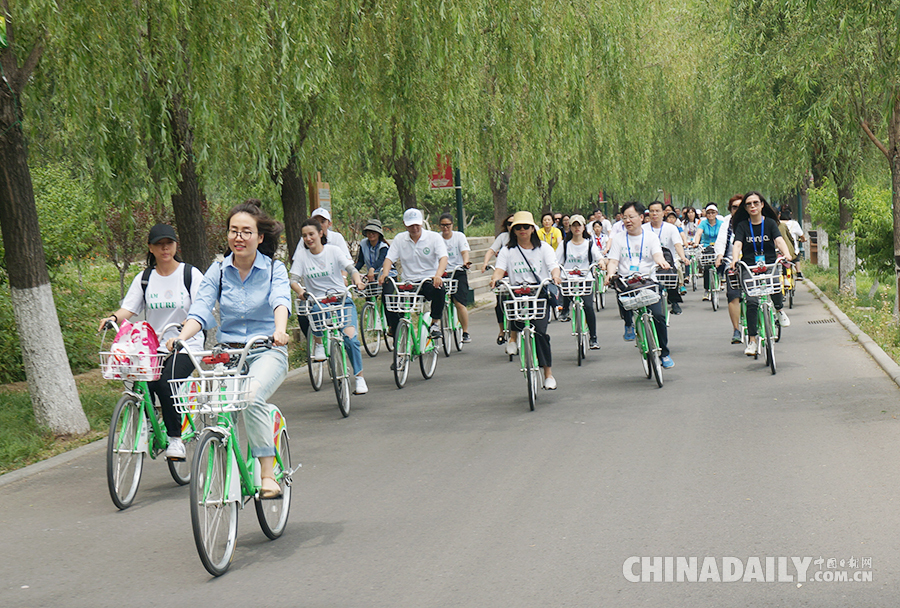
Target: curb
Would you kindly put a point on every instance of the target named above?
(886, 363)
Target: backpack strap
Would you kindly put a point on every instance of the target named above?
(188, 277)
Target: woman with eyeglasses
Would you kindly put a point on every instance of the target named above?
(254, 298)
(757, 240)
(707, 233)
(528, 260)
(501, 240)
(722, 248)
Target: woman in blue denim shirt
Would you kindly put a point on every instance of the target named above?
(254, 298)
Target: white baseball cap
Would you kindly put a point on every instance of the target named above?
(413, 216)
(321, 212)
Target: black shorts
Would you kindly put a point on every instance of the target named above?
(462, 286)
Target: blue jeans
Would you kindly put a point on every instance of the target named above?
(268, 367)
(353, 345)
(659, 320)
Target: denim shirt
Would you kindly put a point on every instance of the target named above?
(373, 257)
(246, 307)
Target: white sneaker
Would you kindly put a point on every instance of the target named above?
(550, 383)
(750, 351)
(361, 387)
(785, 322)
(512, 348)
(319, 353)
(175, 451)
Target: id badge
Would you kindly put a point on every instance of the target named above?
(761, 260)
(633, 268)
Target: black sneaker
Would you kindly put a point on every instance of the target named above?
(676, 308)
(594, 344)
(564, 316)
(466, 339)
(436, 331)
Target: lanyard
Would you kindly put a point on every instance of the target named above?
(641, 251)
(762, 230)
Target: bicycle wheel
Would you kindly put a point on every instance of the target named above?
(653, 355)
(273, 514)
(181, 469)
(429, 358)
(694, 278)
(214, 521)
(445, 333)
(771, 337)
(596, 298)
(457, 337)
(371, 333)
(316, 368)
(643, 345)
(388, 340)
(530, 368)
(340, 378)
(401, 353)
(124, 452)
(576, 331)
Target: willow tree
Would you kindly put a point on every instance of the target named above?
(51, 385)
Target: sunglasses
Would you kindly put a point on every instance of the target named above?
(754, 203)
(521, 227)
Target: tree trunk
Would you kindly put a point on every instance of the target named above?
(499, 182)
(805, 219)
(894, 160)
(404, 174)
(50, 382)
(293, 201)
(187, 201)
(846, 238)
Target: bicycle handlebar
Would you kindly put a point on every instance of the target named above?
(221, 349)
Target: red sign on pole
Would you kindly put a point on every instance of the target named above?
(442, 177)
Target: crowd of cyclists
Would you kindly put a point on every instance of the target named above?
(252, 288)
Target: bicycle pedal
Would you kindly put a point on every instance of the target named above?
(176, 459)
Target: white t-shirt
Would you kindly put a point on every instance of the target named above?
(334, 238)
(420, 260)
(721, 244)
(635, 253)
(500, 242)
(321, 272)
(456, 244)
(576, 256)
(167, 302)
(796, 232)
(617, 228)
(542, 260)
(668, 236)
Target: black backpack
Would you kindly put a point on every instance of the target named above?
(145, 279)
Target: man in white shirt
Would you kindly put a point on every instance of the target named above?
(334, 237)
(422, 255)
(458, 258)
(638, 251)
(722, 248)
(669, 238)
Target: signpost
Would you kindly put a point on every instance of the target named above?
(445, 177)
(319, 194)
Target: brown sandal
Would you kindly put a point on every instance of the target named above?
(268, 493)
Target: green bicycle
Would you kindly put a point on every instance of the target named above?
(692, 253)
(136, 430)
(637, 294)
(599, 288)
(223, 479)
(708, 261)
(578, 284)
(374, 325)
(524, 303)
(329, 316)
(761, 281)
(450, 325)
(413, 337)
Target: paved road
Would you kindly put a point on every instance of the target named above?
(450, 493)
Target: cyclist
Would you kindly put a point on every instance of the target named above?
(334, 237)
(165, 289)
(549, 233)
(706, 236)
(423, 255)
(723, 252)
(458, 257)
(669, 238)
(793, 228)
(639, 251)
(319, 267)
(254, 298)
(501, 240)
(528, 260)
(690, 224)
(578, 252)
(372, 250)
(756, 238)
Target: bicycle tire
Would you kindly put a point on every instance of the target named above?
(180, 470)
(213, 520)
(388, 340)
(458, 338)
(529, 368)
(370, 334)
(124, 466)
(694, 279)
(772, 326)
(579, 336)
(316, 369)
(340, 378)
(445, 334)
(401, 353)
(714, 300)
(273, 514)
(596, 298)
(791, 297)
(429, 358)
(643, 345)
(653, 355)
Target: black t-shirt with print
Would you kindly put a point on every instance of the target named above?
(764, 236)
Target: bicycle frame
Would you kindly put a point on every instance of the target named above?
(406, 301)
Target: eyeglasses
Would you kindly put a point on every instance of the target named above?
(244, 234)
(521, 227)
(754, 203)
(446, 225)
(733, 207)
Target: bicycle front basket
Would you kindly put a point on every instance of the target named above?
(669, 280)
(403, 302)
(372, 290)
(451, 285)
(125, 366)
(326, 316)
(211, 394)
(637, 298)
(526, 308)
(708, 259)
(764, 283)
(577, 286)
